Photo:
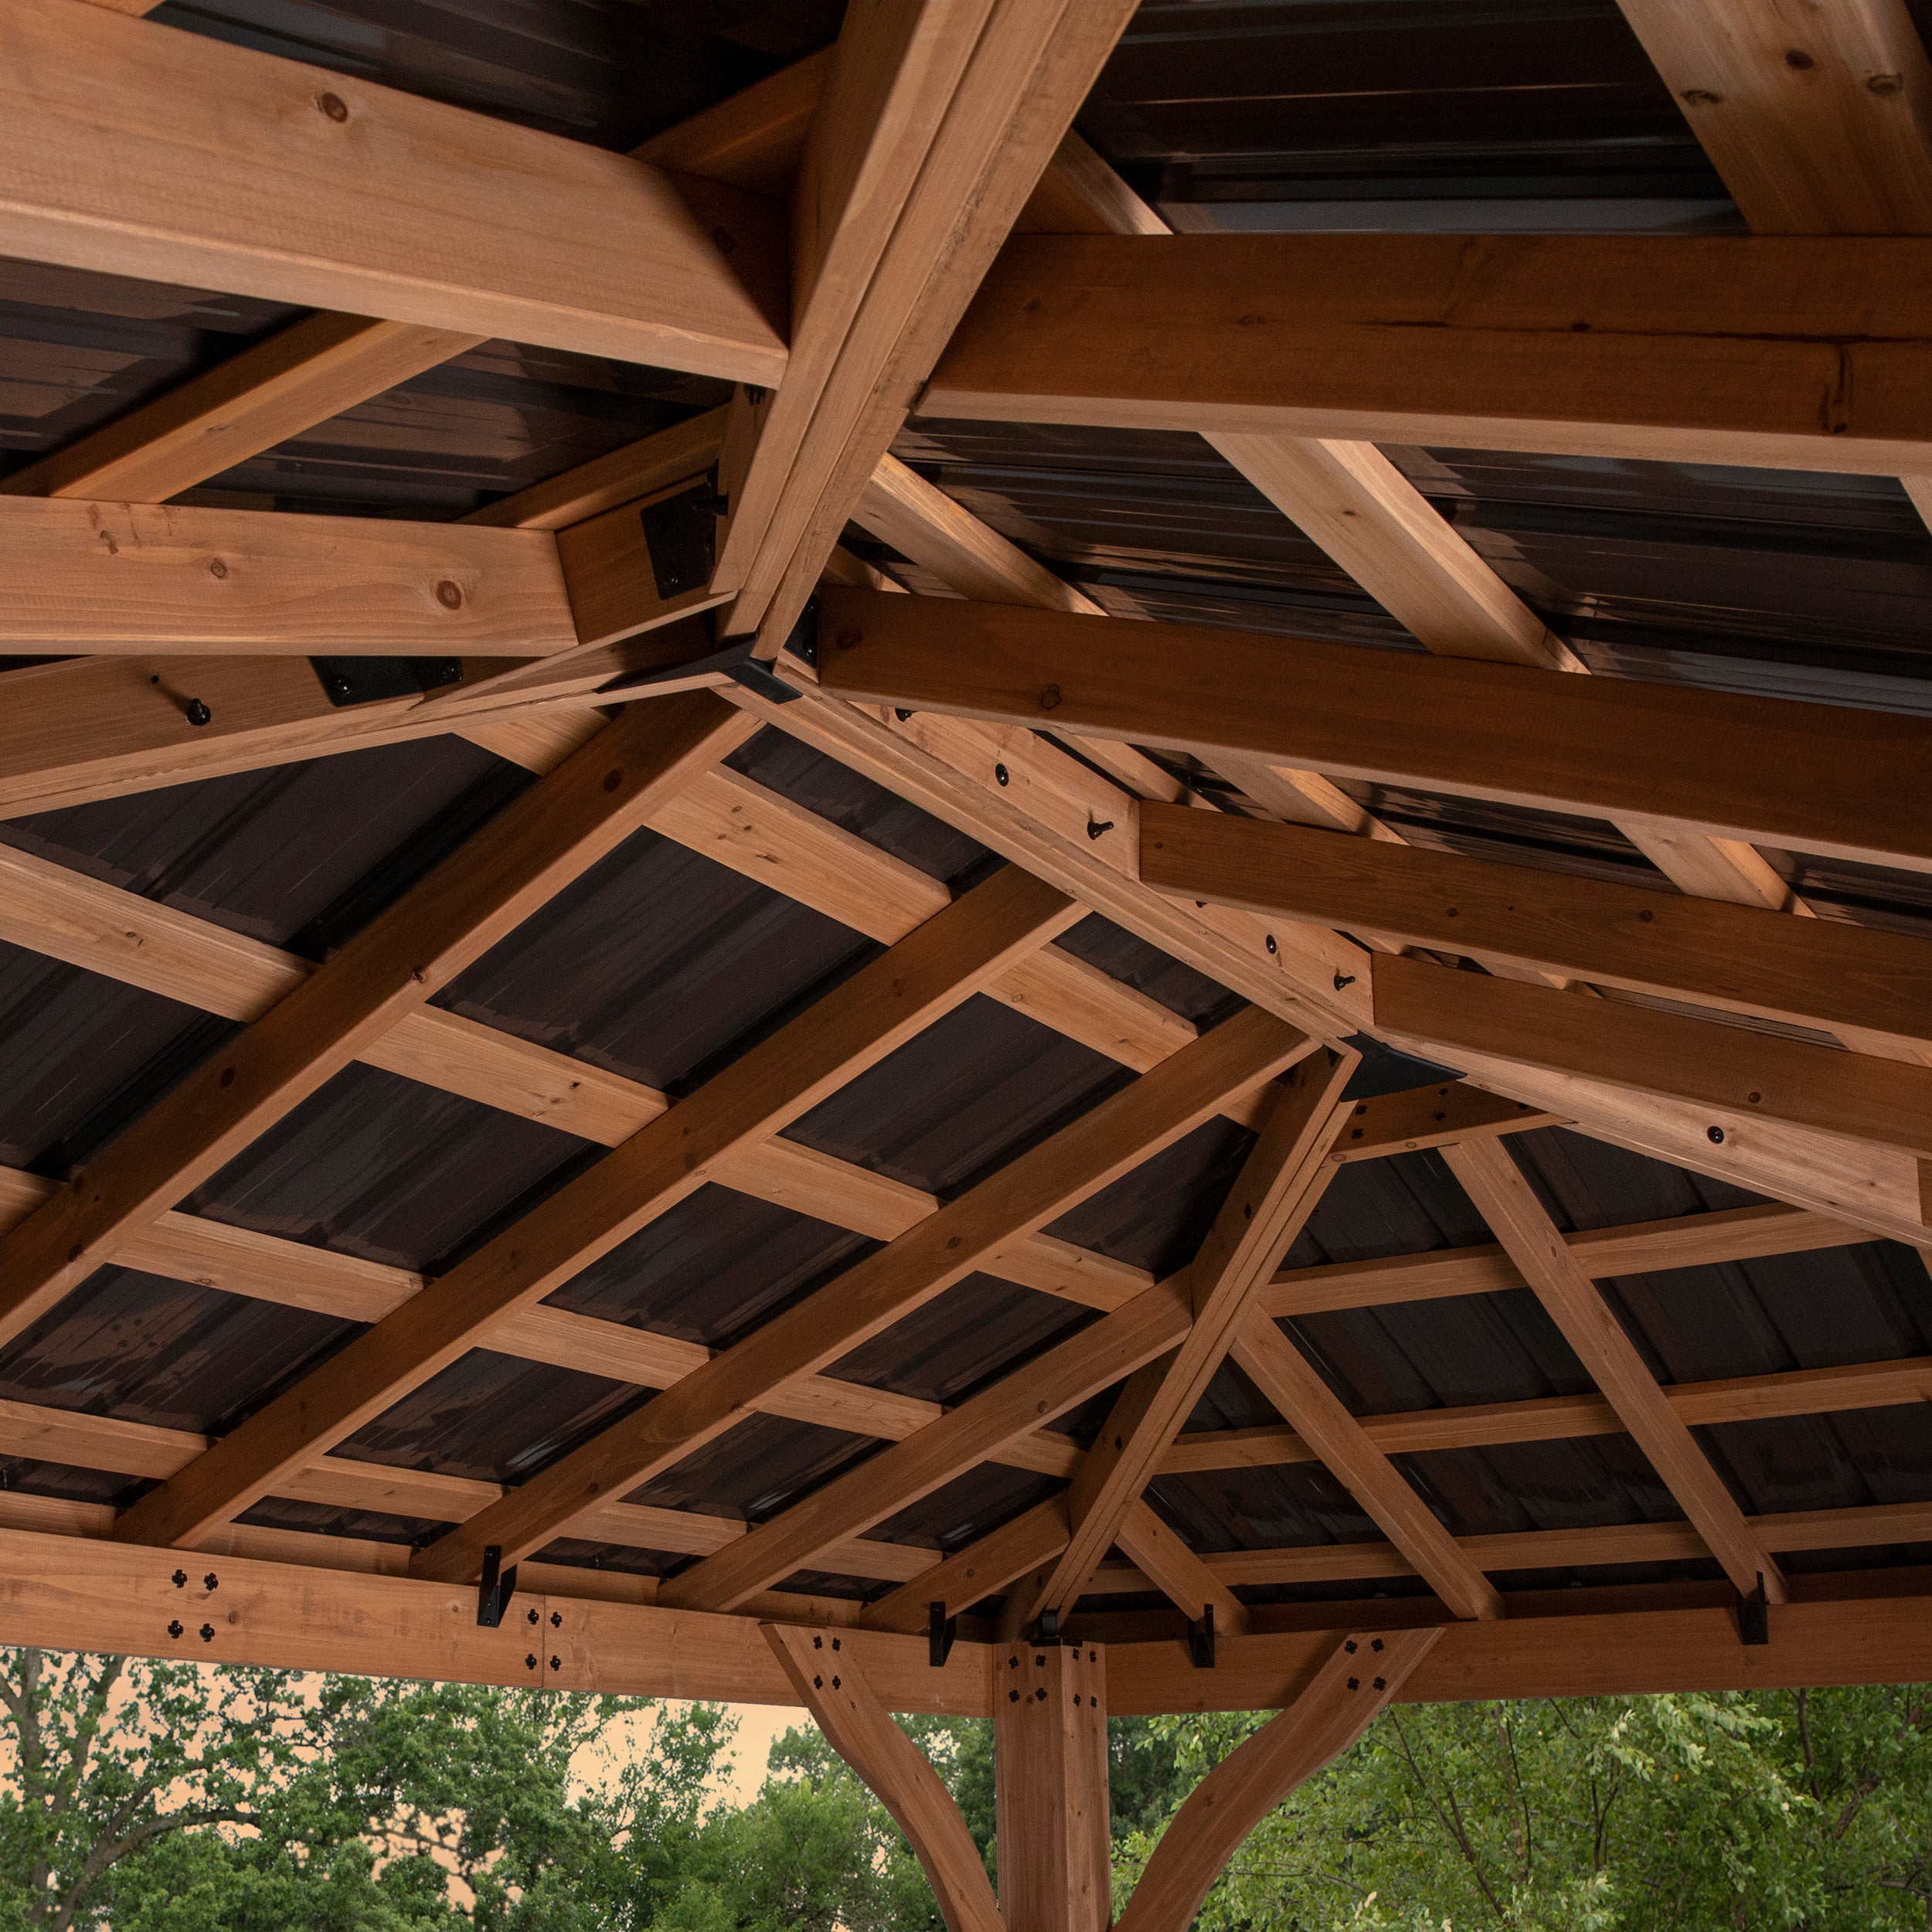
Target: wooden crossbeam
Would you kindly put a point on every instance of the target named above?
(1810, 972)
(856, 1025)
(1767, 350)
(1866, 1526)
(263, 396)
(1742, 767)
(1123, 1130)
(832, 1686)
(139, 151)
(109, 580)
(1442, 1012)
(1506, 1201)
(1029, 69)
(981, 1569)
(1815, 118)
(1285, 1377)
(960, 1440)
(1279, 1186)
(536, 846)
(1362, 1675)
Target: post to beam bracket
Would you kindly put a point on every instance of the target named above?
(494, 1592)
(940, 1632)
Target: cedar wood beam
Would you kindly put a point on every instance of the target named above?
(1881, 1102)
(1119, 1134)
(67, 1592)
(1279, 1186)
(1506, 1199)
(1820, 777)
(1743, 959)
(535, 847)
(1767, 350)
(854, 1026)
(290, 183)
(1361, 1676)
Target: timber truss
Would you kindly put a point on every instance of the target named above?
(905, 221)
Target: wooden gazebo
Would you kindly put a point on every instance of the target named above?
(789, 915)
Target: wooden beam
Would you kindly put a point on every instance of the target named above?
(1362, 1675)
(959, 1441)
(535, 847)
(109, 579)
(858, 1727)
(1420, 1117)
(1810, 972)
(679, 454)
(980, 1571)
(1040, 817)
(754, 139)
(978, 159)
(1050, 1782)
(854, 1027)
(1163, 1557)
(1870, 1526)
(1506, 1201)
(70, 1592)
(1880, 1190)
(1815, 118)
(1744, 767)
(1279, 1186)
(1115, 1136)
(175, 157)
(1768, 350)
(1443, 1012)
(1648, 1247)
(1283, 1374)
(267, 393)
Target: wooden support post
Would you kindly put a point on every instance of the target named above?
(860, 1728)
(1049, 1773)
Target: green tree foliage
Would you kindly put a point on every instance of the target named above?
(168, 1799)
(1810, 1812)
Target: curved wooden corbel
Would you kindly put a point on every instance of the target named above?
(1361, 1675)
(819, 1663)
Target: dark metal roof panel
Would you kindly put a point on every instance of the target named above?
(379, 1166)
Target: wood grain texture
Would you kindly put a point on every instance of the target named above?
(678, 454)
(111, 578)
(833, 1688)
(1116, 1135)
(981, 1570)
(531, 851)
(1832, 142)
(176, 158)
(1817, 777)
(1810, 972)
(1025, 1399)
(1279, 1186)
(877, 1009)
(1768, 350)
(1050, 1787)
(1279, 1369)
(1504, 1198)
(1357, 1681)
(264, 395)
(1733, 1068)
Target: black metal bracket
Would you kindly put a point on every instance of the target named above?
(494, 1592)
(1200, 1639)
(940, 1632)
(1046, 1626)
(681, 532)
(352, 681)
(1754, 1615)
(731, 659)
